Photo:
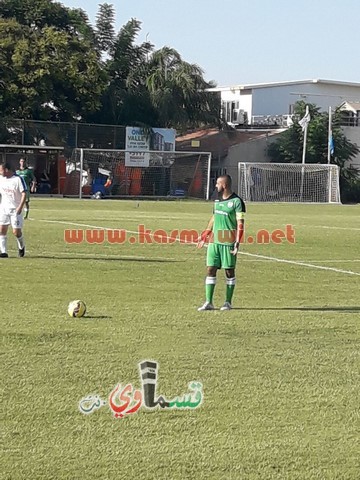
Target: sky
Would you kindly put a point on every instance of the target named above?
(253, 41)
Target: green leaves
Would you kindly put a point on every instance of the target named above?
(105, 31)
(53, 67)
(47, 58)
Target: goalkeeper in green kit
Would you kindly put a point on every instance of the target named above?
(227, 227)
(29, 178)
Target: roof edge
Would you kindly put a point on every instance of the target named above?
(283, 83)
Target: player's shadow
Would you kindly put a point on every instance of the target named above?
(96, 317)
(347, 309)
(109, 259)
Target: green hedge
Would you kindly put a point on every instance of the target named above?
(350, 192)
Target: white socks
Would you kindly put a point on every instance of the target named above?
(20, 242)
(3, 244)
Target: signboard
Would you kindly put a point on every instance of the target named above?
(138, 144)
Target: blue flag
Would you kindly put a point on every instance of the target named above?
(331, 144)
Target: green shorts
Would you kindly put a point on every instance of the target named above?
(219, 256)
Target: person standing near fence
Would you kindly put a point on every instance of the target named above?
(29, 178)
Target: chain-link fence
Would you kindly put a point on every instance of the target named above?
(62, 134)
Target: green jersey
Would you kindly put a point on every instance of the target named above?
(226, 215)
(28, 175)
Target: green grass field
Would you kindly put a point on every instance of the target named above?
(280, 373)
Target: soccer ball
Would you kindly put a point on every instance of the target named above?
(77, 308)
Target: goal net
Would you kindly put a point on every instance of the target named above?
(289, 182)
(121, 173)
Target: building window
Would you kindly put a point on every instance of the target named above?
(228, 111)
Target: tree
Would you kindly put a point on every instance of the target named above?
(105, 31)
(289, 146)
(47, 61)
(126, 100)
(178, 91)
(55, 66)
(154, 87)
(36, 14)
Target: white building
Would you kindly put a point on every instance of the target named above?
(272, 103)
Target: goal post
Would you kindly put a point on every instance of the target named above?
(289, 182)
(125, 173)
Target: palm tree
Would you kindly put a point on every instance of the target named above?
(178, 91)
(154, 88)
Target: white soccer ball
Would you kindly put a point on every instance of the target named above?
(77, 308)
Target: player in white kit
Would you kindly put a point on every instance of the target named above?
(13, 196)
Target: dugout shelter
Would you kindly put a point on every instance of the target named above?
(42, 159)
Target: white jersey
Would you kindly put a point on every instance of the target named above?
(10, 191)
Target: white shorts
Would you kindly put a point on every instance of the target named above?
(16, 221)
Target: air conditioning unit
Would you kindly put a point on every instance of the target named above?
(238, 116)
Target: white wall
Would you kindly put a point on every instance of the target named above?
(246, 104)
(276, 100)
(251, 151)
(245, 100)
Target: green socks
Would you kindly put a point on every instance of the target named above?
(230, 287)
(210, 283)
